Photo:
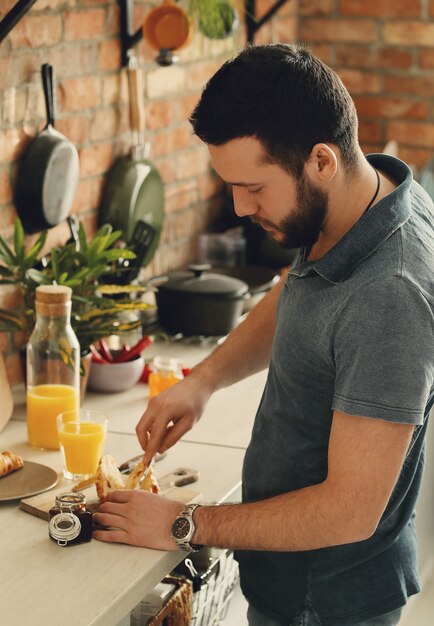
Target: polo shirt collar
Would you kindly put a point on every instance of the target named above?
(369, 232)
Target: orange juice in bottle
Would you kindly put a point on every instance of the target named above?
(44, 403)
(165, 373)
(53, 366)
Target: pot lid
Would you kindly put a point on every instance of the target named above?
(198, 280)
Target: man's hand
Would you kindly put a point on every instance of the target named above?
(138, 518)
(171, 414)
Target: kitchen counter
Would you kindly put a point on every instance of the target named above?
(98, 584)
(227, 420)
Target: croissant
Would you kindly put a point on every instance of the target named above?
(9, 462)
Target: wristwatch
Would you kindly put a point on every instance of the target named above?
(183, 529)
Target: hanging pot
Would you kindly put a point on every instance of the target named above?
(48, 171)
(199, 302)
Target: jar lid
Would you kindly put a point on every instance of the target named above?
(53, 294)
(70, 499)
(197, 280)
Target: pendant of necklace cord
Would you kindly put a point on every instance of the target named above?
(376, 191)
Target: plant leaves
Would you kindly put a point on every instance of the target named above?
(19, 241)
(6, 254)
(10, 321)
(32, 254)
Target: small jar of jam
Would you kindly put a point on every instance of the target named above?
(70, 520)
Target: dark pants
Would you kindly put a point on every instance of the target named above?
(309, 618)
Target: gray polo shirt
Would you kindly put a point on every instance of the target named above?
(354, 334)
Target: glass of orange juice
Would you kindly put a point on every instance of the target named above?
(82, 437)
(44, 403)
(166, 371)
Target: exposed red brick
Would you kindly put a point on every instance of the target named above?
(36, 30)
(418, 157)
(334, 30)
(4, 342)
(5, 186)
(324, 51)
(181, 197)
(210, 185)
(95, 159)
(14, 368)
(421, 85)
(105, 124)
(109, 55)
(426, 59)
(360, 81)
(72, 59)
(77, 94)
(75, 128)
(411, 134)
(191, 163)
(54, 4)
(84, 24)
(381, 8)
(370, 131)
(349, 55)
(316, 7)
(286, 29)
(172, 140)
(409, 33)
(10, 145)
(161, 113)
(200, 73)
(385, 106)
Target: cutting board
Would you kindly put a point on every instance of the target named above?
(41, 504)
(6, 402)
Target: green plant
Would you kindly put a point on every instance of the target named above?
(86, 267)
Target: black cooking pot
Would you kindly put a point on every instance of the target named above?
(199, 302)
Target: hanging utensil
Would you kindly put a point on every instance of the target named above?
(135, 190)
(48, 171)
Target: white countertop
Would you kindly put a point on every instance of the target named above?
(95, 583)
(228, 417)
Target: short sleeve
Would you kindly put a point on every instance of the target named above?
(384, 352)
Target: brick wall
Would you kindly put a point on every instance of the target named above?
(384, 52)
(382, 49)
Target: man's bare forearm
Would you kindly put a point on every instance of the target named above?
(247, 349)
(306, 519)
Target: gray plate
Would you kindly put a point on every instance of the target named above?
(31, 479)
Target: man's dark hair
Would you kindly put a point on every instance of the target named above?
(283, 96)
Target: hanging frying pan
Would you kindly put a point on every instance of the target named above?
(135, 191)
(48, 171)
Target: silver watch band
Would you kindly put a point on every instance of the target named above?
(184, 543)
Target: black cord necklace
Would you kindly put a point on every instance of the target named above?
(376, 191)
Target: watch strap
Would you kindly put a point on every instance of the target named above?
(184, 544)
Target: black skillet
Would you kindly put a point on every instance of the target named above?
(48, 171)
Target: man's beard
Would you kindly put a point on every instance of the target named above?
(303, 227)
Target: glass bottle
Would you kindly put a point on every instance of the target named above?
(70, 520)
(165, 372)
(53, 366)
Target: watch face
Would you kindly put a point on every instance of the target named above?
(181, 527)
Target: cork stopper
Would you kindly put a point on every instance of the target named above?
(52, 299)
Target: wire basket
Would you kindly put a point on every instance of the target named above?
(176, 611)
(213, 586)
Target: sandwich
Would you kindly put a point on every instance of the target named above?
(109, 478)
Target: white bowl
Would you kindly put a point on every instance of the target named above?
(113, 377)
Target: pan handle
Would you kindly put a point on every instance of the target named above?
(137, 109)
(47, 84)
